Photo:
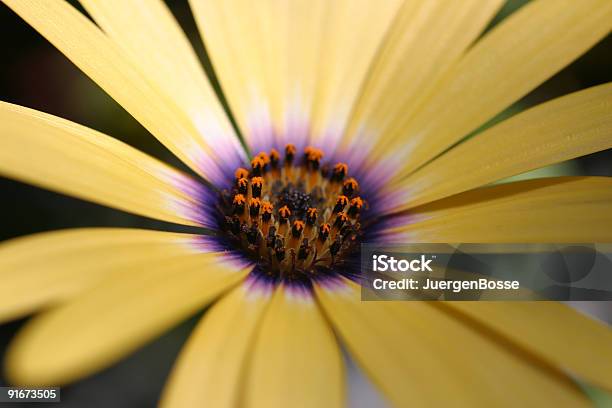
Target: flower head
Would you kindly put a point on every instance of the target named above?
(353, 114)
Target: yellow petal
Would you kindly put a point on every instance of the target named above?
(127, 309)
(114, 71)
(156, 44)
(564, 128)
(553, 331)
(420, 356)
(425, 39)
(560, 209)
(351, 36)
(287, 65)
(43, 269)
(512, 59)
(296, 361)
(211, 366)
(60, 155)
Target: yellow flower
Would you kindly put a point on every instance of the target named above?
(383, 91)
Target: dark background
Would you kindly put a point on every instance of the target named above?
(36, 75)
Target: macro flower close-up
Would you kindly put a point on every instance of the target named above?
(316, 127)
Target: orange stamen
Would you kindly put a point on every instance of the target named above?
(284, 212)
(241, 173)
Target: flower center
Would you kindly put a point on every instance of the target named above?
(296, 217)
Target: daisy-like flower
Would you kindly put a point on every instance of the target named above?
(351, 111)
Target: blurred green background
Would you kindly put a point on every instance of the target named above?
(34, 74)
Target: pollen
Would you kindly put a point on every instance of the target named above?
(274, 158)
(264, 157)
(341, 202)
(298, 227)
(290, 151)
(241, 173)
(311, 216)
(243, 185)
(294, 215)
(266, 211)
(339, 173)
(257, 166)
(284, 212)
(239, 199)
(313, 158)
(256, 186)
(355, 207)
(254, 206)
(350, 186)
